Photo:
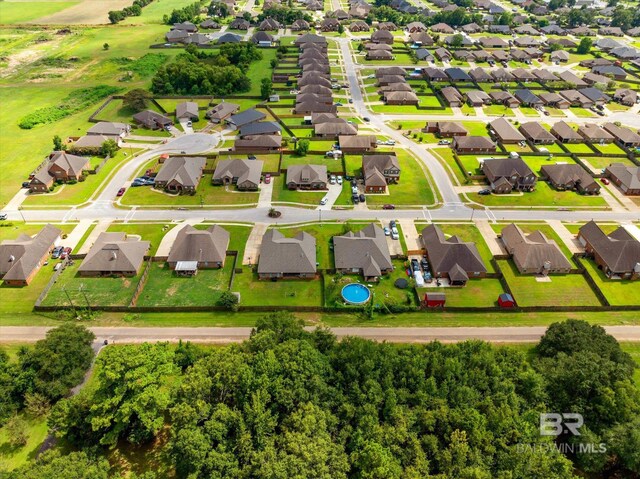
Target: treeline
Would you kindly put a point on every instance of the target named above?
(457, 17)
(290, 403)
(190, 13)
(284, 14)
(135, 10)
(198, 73)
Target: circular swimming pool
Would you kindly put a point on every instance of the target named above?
(355, 293)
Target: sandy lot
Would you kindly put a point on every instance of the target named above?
(88, 12)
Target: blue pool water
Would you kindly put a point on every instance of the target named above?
(356, 293)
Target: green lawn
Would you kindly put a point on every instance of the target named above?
(606, 227)
(82, 291)
(600, 162)
(578, 148)
(609, 149)
(583, 113)
(446, 156)
(164, 288)
(544, 195)
(206, 194)
(152, 232)
(478, 293)
(10, 457)
(12, 12)
(498, 110)
(283, 194)
(617, 292)
(333, 164)
(562, 290)
(529, 111)
(254, 292)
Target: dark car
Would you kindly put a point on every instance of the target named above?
(388, 207)
(392, 223)
(25, 184)
(484, 192)
(65, 253)
(3, 216)
(251, 157)
(424, 264)
(415, 266)
(57, 251)
(366, 118)
(356, 199)
(362, 198)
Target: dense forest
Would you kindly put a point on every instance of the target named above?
(288, 403)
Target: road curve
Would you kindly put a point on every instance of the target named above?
(513, 334)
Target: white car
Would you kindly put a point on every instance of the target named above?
(324, 200)
(387, 231)
(394, 231)
(390, 142)
(332, 179)
(395, 235)
(339, 179)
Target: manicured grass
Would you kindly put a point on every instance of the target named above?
(610, 149)
(208, 193)
(544, 195)
(412, 189)
(11, 457)
(470, 233)
(165, 288)
(283, 194)
(21, 12)
(152, 232)
(446, 155)
(83, 291)
(332, 164)
(537, 162)
(259, 70)
(582, 113)
(617, 292)
(498, 110)
(80, 192)
(528, 111)
(562, 290)
(600, 162)
(115, 111)
(475, 128)
(254, 292)
(477, 293)
(578, 148)
(606, 227)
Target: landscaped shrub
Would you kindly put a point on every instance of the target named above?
(75, 101)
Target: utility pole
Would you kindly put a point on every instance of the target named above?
(73, 308)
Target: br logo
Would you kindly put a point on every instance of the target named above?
(553, 424)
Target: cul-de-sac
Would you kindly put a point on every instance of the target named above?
(190, 186)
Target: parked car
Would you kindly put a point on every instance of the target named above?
(387, 231)
(356, 199)
(415, 266)
(394, 231)
(324, 200)
(65, 253)
(138, 182)
(189, 124)
(251, 157)
(395, 235)
(338, 103)
(339, 179)
(388, 207)
(354, 190)
(362, 198)
(121, 191)
(25, 184)
(390, 142)
(424, 264)
(57, 251)
(350, 100)
(3, 216)
(267, 178)
(332, 179)
(484, 192)
(605, 181)
(392, 223)
(444, 142)
(366, 118)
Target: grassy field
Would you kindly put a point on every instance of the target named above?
(152, 232)
(164, 288)
(283, 194)
(12, 12)
(562, 290)
(617, 292)
(254, 292)
(477, 293)
(10, 457)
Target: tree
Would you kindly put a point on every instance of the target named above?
(53, 465)
(584, 46)
(58, 145)
(228, 300)
(457, 40)
(105, 46)
(341, 29)
(109, 148)
(16, 429)
(302, 147)
(136, 100)
(36, 404)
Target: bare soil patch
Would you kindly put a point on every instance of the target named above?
(88, 12)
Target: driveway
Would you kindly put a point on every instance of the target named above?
(332, 196)
(266, 193)
(410, 234)
(101, 227)
(184, 123)
(252, 248)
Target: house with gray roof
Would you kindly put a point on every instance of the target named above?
(152, 120)
(379, 171)
(507, 174)
(258, 143)
(180, 174)
(624, 136)
(569, 176)
(22, 258)
(626, 96)
(364, 252)
(307, 177)
(109, 128)
(222, 111)
(563, 132)
(195, 249)
(187, 110)
(229, 38)
(282, 257)
(536, 133)
(260, 128)
(245, 117)
(245, 174)
(114, 254)
(473, 144)
(627, 178)
(452, 258)
(593, 133)
(534, 253)
(616, 254)
(505, 132)
(527, 97)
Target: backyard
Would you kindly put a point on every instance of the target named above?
(617, 292)
(254, 292)
(478, 293)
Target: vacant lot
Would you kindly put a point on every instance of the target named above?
(87, 12)
(12, 11)
(562, 290)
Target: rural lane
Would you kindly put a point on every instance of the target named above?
(515, 334)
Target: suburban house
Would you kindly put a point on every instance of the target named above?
(554, 100)
(21, 258)
(269, 24)
(504, 132)
(152, 120)
(195, 249)
(594, 133)
(180, 174)
(508, 174)
(473, 144)
(379, 171)
(534, 253)
(245, 174)
(421, 39)
(440, 28)
(357, 143)
(300, 25)
(616, 254)
(229, 38)
(452, 96)
(239, 23)
(478, 98)
(627, 178)
(60, 166)
(623, 136)
(536, 133)
(245, 117)
(626, 96)
(282, 257)
(452, 258)
(260, 128)
(382, 36)
(527, 98)
(262, 39)
(565, 134)
(445, 129)
(504, 98)
(569, 176)
(307, 177)
(364, 252)
(379, 54)
(258, 143)
(222, 111)
(187, 110)
(401, 98)
(575, 98)
(492, 42)
(329, 126)
(109, 128)
(114, 254)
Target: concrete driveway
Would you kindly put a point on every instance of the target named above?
(332, 196)
(252, 248)
(184, 123)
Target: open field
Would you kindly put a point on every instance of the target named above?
(86, 12)
(12, 11)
